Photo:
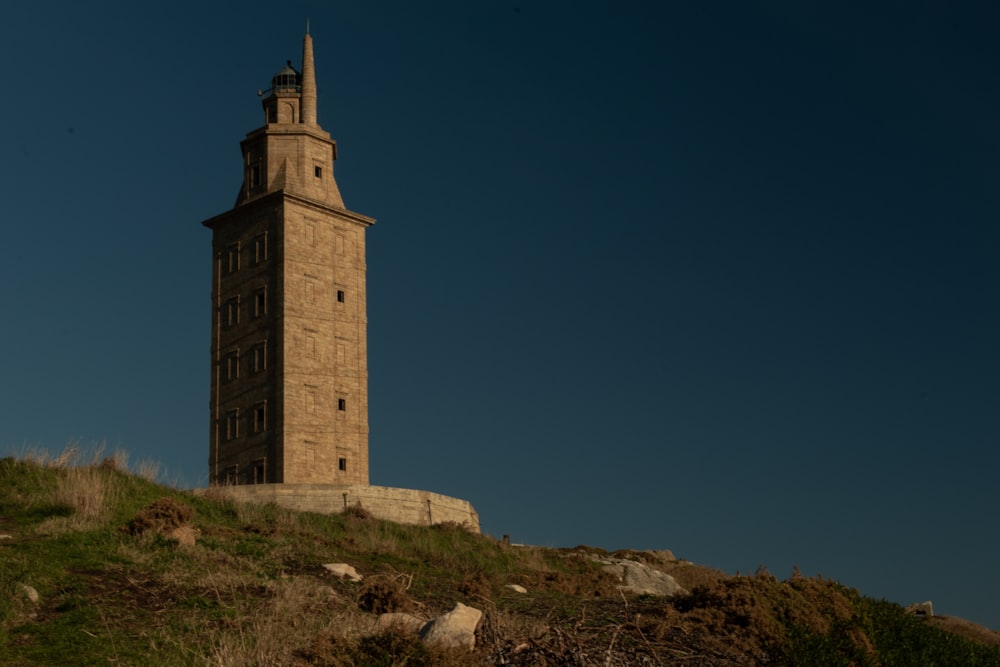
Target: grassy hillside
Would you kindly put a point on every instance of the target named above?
(89, 576)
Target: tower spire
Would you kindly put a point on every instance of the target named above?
(308, 81)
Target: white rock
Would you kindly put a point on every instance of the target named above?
(399, 621)
(642, 579)
(343, 570)
(516, 588)
(455, 629)
(30, 592)
(6, 537)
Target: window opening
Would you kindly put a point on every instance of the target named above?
(260, 417)
(232, 366)
(260, 303)
(233, 258)
(232, 312)
(232, 424)
(260, 357)
(260, 249)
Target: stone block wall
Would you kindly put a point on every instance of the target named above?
(409, 506)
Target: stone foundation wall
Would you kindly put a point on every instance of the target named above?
(409, 506)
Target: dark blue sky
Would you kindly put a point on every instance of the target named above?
(714, 277)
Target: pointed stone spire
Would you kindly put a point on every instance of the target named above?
(308, 82)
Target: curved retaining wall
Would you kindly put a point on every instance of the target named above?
(384, 502)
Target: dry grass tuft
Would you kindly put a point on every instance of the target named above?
(89, 492)
(298, 611)
(357, 512)
(476, 585)
(75, 455)
(148, 470)
(382, 594)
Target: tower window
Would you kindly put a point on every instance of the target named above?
(259, 363)
(232, 424)
(232, 371)
(233, 258)
(342, 464)
(232, 313)
(340, 296)
(255, 176)
(260, 302)
(341, 404)
(260, 249)
(260, 471)
(318, 171)
(260, 417)
(231, 476)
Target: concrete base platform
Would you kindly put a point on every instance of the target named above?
(408, 506)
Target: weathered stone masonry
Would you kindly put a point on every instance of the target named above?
(289, 383)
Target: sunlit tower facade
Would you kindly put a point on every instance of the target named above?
(289, 382)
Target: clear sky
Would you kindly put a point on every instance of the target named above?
(715, 277)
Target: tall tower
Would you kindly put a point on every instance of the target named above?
(289, 389)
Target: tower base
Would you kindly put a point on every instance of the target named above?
(409, 506)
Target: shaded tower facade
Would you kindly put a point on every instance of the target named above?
(289, 384)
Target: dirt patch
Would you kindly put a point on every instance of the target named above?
(163, 516)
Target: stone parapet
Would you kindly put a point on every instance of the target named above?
(409, 506)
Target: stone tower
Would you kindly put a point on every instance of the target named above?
(289, 388)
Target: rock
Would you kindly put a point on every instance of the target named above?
(6, 537)
(408, 623)
(456, 629)
(641, 579)
(516, 588)
(662, 555)
(344, 571)
(184, 535)
(30, 592)
(922, 609)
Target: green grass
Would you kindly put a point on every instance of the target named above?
(253, 591)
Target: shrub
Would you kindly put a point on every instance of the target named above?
(382, 594)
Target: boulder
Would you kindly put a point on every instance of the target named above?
(663, 555)
(641, 579)
(343, 570)
(455, 629)
(407, 623)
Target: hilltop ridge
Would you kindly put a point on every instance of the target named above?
(105, 565)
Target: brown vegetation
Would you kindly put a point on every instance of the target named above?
(89, 540)
(163, 516)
